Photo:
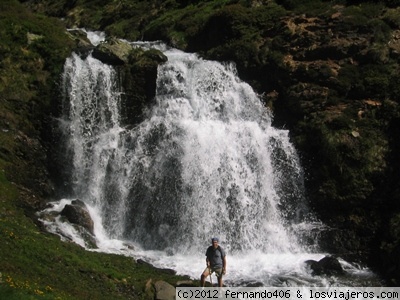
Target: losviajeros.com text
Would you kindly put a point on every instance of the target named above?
(347, 295)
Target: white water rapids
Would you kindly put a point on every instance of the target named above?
(205, 162)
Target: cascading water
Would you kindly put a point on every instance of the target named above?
(205, 162)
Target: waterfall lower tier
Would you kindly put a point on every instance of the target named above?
(205, 162)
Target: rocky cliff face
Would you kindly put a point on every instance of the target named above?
(330, 73)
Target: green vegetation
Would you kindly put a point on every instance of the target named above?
(37, 265)
(348, 151)
(392, 17)
(32, 52)
(309, 7)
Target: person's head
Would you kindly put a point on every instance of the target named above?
(215, 242)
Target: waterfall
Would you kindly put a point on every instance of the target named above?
(206, 161)
(91, 126)
(210, 163)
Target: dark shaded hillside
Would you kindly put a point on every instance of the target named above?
(328, 69)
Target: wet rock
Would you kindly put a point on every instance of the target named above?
(326, 266)
(129, 245)
(254, 284)
(138, 79)
(77, 213)
(113, 52)
(290, 281)
(83, 46)
(155, 55)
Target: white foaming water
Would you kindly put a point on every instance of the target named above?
(205, 162)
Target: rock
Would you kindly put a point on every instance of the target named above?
(50, 216)
(291, 281)
(138, 79)
(394, 43)
(31, 37)
(331, 265)
(129, 245)
(186, 283)
(88, 238)
(326, 266)
(155, 55)
(255, 284)
(77, 213)
(113, 52)
(83, 46)
(164, 291)
(79, 203)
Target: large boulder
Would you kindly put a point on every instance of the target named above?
(77, 213)
(113, 52)
(328, 265)
(164, 290)
(83, 46)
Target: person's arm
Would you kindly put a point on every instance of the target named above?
(207, 260)
(224, 265)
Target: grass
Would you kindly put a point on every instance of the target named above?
(37, 265)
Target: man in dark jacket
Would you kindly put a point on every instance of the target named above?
(216, 262)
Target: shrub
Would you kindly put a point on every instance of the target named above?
(392, 17)
(376, 79)
(358, 18)
(380, 30)
(350, 82)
